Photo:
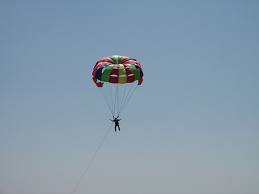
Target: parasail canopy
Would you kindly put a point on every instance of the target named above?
(117, 69)
(117, 77)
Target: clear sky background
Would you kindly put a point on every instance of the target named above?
(192, 128)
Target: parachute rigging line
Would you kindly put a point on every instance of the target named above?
(127, 99)
(107, 100)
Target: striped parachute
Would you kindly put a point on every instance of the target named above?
(117, 77)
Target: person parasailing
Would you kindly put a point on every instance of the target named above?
(117, 77)
(116, 122)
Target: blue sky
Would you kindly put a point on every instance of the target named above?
(191, 128)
